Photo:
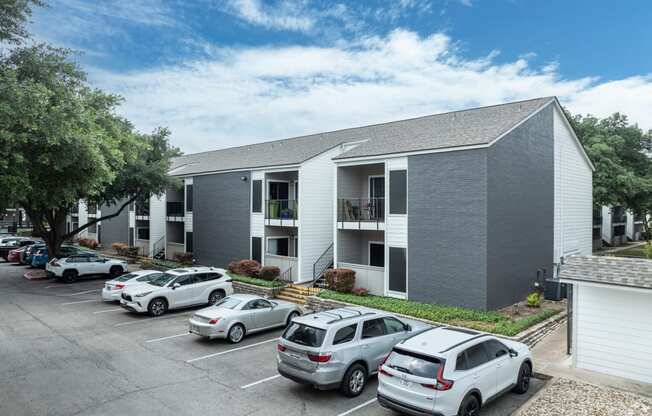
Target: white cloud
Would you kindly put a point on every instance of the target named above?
(287, 15)
(245, 95)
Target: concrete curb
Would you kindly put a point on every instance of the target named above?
(36, 275)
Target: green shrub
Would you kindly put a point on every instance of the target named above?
(254, 281)
(648, 250)
(245, 267)
(183, 258)
(341, 280)
(269, 273)
(534, 300)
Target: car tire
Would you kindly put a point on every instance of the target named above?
(157, 307)
(470, 406)
(115, 271)
(69, 276)
(236, 334)
(216, 296)
(523, 381)
(354, 380)
(291, 317)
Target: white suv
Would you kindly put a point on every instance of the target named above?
(449, 371)
(70, 268)
(178, 288)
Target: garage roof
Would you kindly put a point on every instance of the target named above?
(619, 271)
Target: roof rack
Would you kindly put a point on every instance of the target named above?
(350, 317)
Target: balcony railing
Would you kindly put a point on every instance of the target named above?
(92, 210)
(618, 216)
(361, 210)
(597, 221)
(282, 209)
(142, 210)
(175, 209)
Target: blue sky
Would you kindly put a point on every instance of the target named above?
(225, 73)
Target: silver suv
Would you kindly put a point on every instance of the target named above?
(340, 348)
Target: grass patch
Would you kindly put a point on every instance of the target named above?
(254, 281)
(489, 321)
(166, 264)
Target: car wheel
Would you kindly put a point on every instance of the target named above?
(215, 296)
(69, 276)
(236, 334)
(291, 317)
(115, 271)
(470, 406)
(354, 380)
(157, 307)
(523, 381)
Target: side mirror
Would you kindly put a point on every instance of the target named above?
(176, 285)
(407, 327)
(513, 353)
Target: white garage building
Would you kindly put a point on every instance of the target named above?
(611, 315)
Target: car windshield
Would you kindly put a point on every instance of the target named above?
(304, 335)
(415, 364)
(125, 277)
(148, 277)
(162, 279)
(229, 303)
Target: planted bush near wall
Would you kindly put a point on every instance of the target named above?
(340, 280)
(183, 258)
(88, 242)
(245, 267)
(269, 273)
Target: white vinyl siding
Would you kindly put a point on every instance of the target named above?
(395, 224)
(613, 331)
(258, 218)
(573, 194)
(157, 219)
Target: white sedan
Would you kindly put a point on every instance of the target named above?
(113, 288)
(178, 288)
(237, 315)
(70, 268)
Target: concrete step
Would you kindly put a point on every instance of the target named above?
(298, 291)
(292, 299)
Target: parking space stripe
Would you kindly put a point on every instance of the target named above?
(82, 293)
(246, 386)
(108, 310)
(358, 407)
(160, 318)
(231, 350)
(79, 301)
(169, 337)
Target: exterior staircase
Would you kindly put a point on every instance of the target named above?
(296, 293)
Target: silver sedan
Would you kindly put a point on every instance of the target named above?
(237, 315)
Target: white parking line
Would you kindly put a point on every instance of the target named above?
(358, 407)
(231, 350)
(79, 301)
(55, 286)
(81, 293)
(170, 337)
(246, 386)
(160, 318)
(108, 310)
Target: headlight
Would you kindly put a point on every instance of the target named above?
(140, 295)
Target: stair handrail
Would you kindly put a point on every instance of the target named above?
(323, 262)
(283, 278)
(157, 244)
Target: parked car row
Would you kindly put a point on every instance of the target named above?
(10, 243)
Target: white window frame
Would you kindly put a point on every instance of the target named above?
(280, 237)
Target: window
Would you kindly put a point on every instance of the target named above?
(393, 325)
(262, 304)
(304, 335)
(398, 192)
(476, 356)
(373, 328)
(189, 242)
(142, 233)
(495, 349)
(185, 280)
(377, 254)
(278, 246)
(77, 259)
(397, 270)
(257, 196)
(461, 364)
(279, 190)
(345, 334)
(211, 276)
(413, 363)
(256, 249)
(189, 198)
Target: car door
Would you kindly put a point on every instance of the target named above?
(210, 282)
(265, 315)
(499, 355)
(375, 343)
(248, 315)
(397, 329)
(97, 265)
(482, 371)
(183, 295)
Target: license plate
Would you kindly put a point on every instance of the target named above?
(403, 382)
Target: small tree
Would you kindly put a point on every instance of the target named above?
(61, 141)
(14, 14)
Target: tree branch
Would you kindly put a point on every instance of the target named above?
(96, 220)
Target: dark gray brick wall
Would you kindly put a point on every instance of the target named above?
(447, 224)
(221, 218)
(520, 209)
(115, 230)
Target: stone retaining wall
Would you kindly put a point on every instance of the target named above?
(530, 336)
(267, 292)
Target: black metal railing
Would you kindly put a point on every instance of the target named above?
(322, 264)
(92, 209)
(142, 210)
(361, 209)
(175, 209)
(639, 218)
(158, 248)
(285, 210)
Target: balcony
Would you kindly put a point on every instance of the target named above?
(175, 211)
(142, 211)
(92, 210)
(282, 212)
(597, 221)
(618, 216)
(361, 213)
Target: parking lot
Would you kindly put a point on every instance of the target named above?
(65, 352)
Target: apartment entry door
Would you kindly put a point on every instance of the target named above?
(377, 197)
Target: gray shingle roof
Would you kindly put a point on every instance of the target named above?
(459, 128)
(609, 270)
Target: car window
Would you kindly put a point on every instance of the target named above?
(412, 363)
(304, 335)
(495, 348)
(96, 259)
(229, 303)
(148, 277)
(345, 334)
(185, 280)
(162, 279)
(393, 325)
(250, 305)
(461, 363)
(373, 328)
(262, 304)
(476, 356)
(77, 259)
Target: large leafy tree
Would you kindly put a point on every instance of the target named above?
(61, 141)
(621, 153)
(14, 14)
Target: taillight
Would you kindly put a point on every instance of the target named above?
(382, 371)
(319, 358)
(442, 384)
(380, 367)
(281, 347)
(214, 321)
(119, 286)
